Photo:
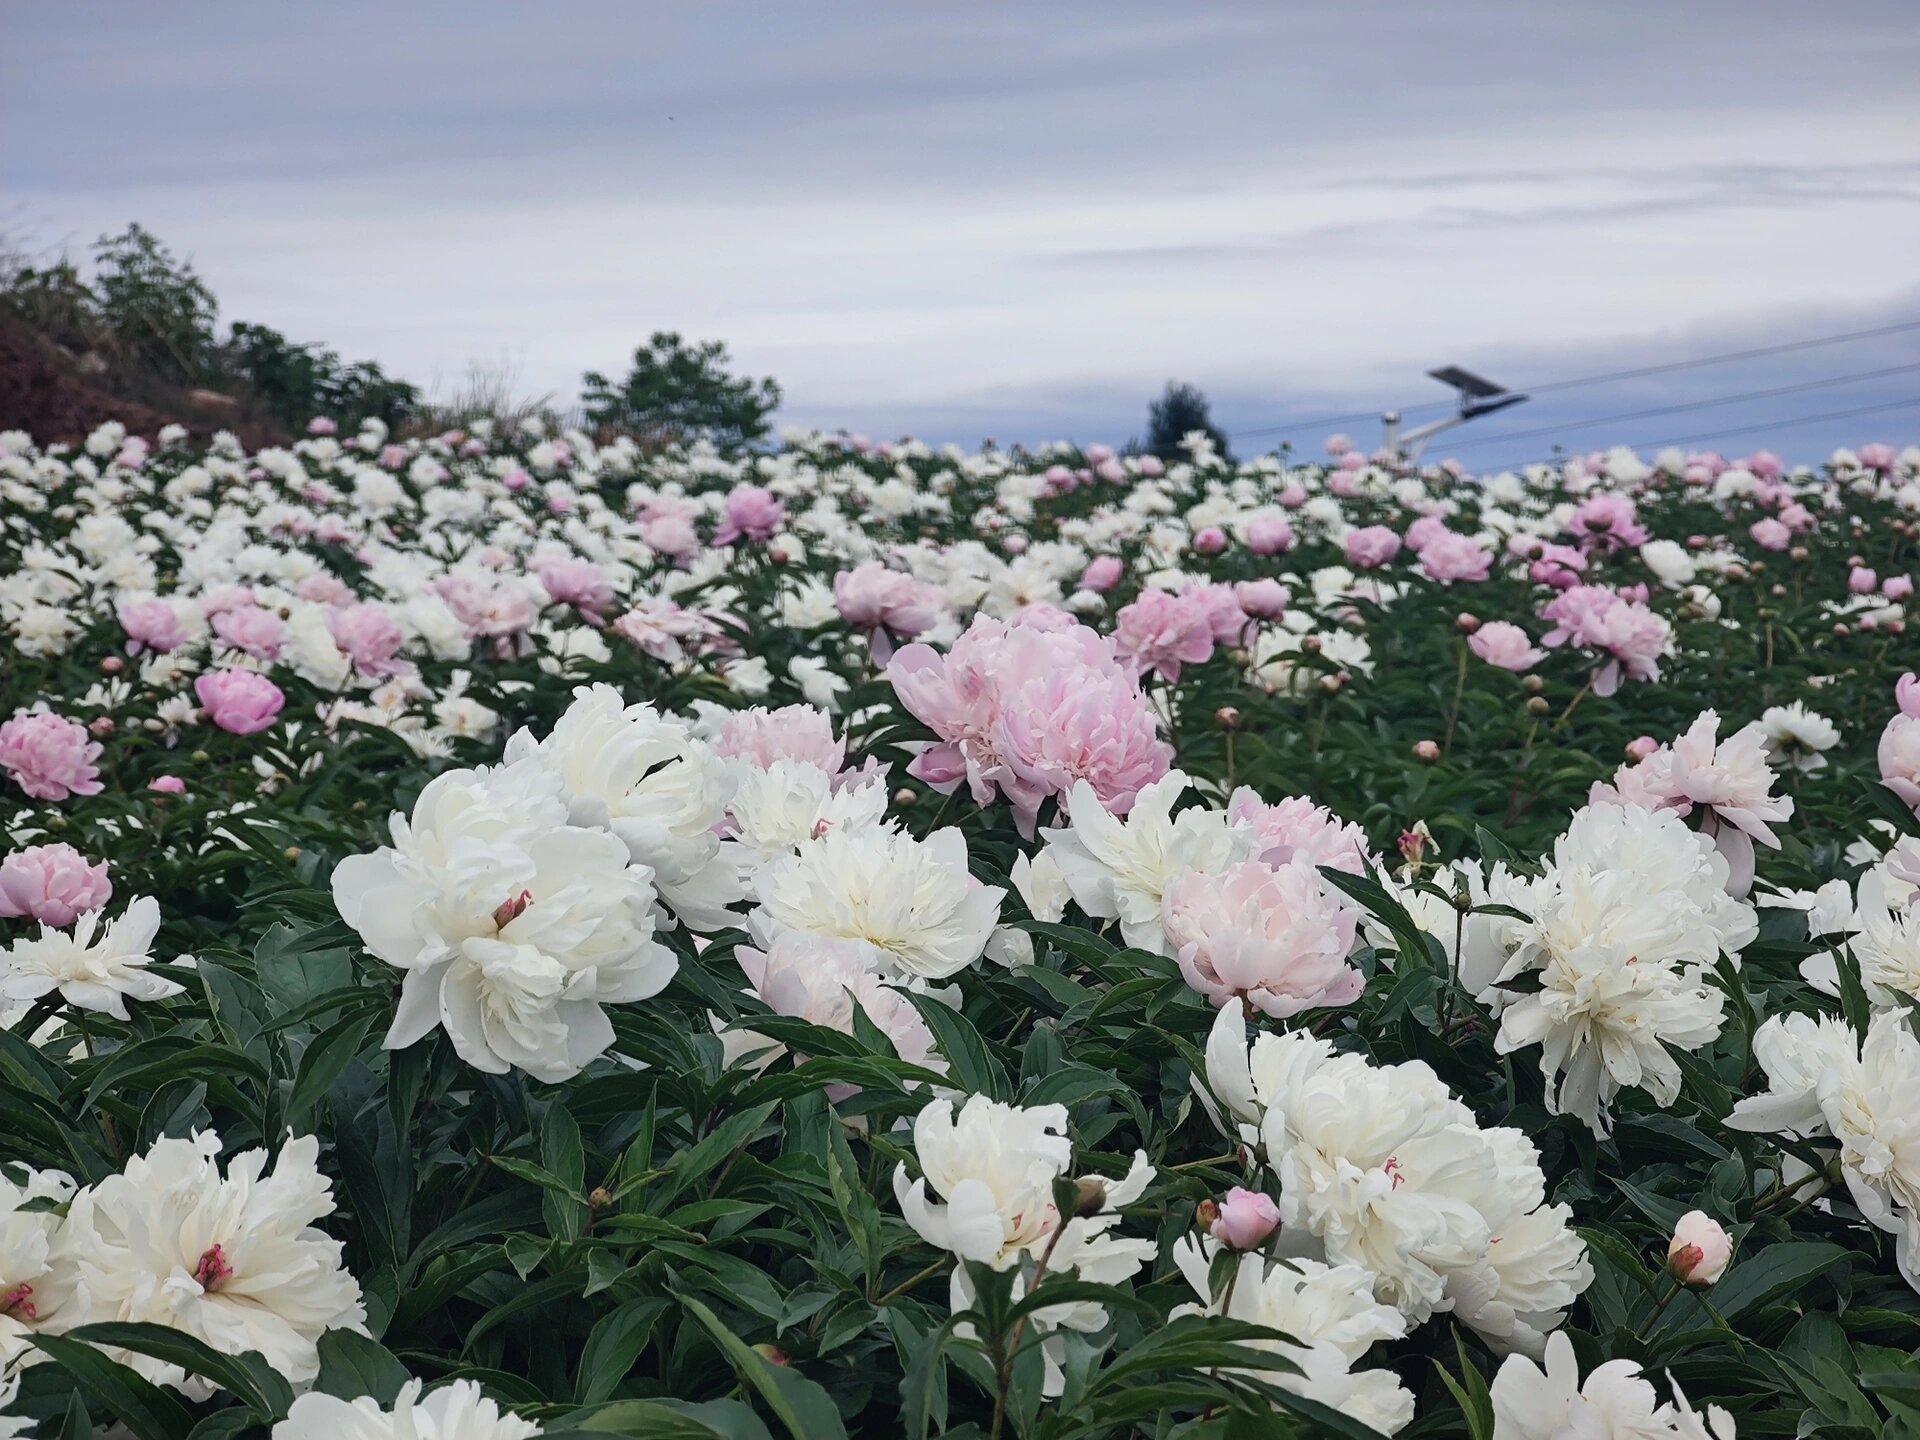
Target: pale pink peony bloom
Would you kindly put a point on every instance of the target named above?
(1245, 1219)
(1506, 645)
(821, 979)
(49, 757)
(1560, 566)
(1699, 1251)
(1296, 828)
(570, 580)
(325, 589)
(1103, 572)
(1262, 599)
(1728, 780)
(1764, 463)
(1210, 541)
(1269, 535)
(1293, 495)
(1878, 456)
(167, 785)
(1339, 445)
(1098, 454)
(1371, 547)
(52, 884)
(1084, 723)
(1224, 616)
(1013, 704)
(251, 630)
(1608, 522)
(1632, 638)
(672, 535)
(368, 636)
(1159, 633)
(152, 625)
(1451, 556)
(1862, 581)
(661, 628)
(803, 733)
(1899, 750)
(1798, 518)
(753, 512)
(1271, 936)
(1897, 587)
(1770, 534)
(888, 605)
(1423, 530)
(239, 701)
(1641, 747)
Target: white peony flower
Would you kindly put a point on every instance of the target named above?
(458, 1411)
(1824, 1086)
(1615, 1402)
(1328, 1309)
(994, 1165)
(513, 927)
(1120, 869)
(776, 809)
(912, 902)
(1797, 738)
(628, 769)
(232, 1260)
(1382, 1168)
(92, 969)
(31, 1289)
(1628, 922)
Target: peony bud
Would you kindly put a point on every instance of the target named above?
(1642, 747)
(1426, 751)
(1244, 1219)
(1699, 1251)
(1227, 718)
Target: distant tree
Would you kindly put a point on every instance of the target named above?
(295, 382)
(1181, 410)
(684, 392)
(159, 310)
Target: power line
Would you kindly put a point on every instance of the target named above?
(1577, 382)
(1687, 405)
(1763, 425)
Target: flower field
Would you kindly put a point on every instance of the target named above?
(504, 935)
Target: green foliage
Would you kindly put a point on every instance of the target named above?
(1181, 410)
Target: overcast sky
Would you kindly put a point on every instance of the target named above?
(1019, 220)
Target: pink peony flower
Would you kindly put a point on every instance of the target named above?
(1298, 829)
(1862, 581)
(1699, 1251)
(576, 582)
(151, 625)
(1607, 523)
(1560, 566)
(1025, 710)
(52, 884)
(1371, 547)
(1269, 535)
(1728, 780)
(1271, 936)
(1897, 587)
(889, 606)
(753, 512)
(1338, 445)
(1423, 530)
(239, 701)
(1877, 456)
(49, 757)
(1451, 556)
(324, 589)
(1103, 572)
(1899, 751)
(1506, 645)
(793, 732)
(1210, 541)
(1245, 1219)
(167, 785)
(251, 630)
(1770, 534)
(1629, 635)
(1263, 599)
(369, 636)
(1159, 633)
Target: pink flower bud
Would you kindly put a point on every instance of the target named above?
(1641, 748)
(1427, 751)
(168, 785)
(1245, 1219)
(1210, 541)
(1699, 1251)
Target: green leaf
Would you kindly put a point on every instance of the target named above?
(325, 1059)
(149, 1411)
(248, 1376)
(972, 1065)
(667, 1420)
(616, 1342)
(565, 1210)
(352, 1365)
(802, 1406)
